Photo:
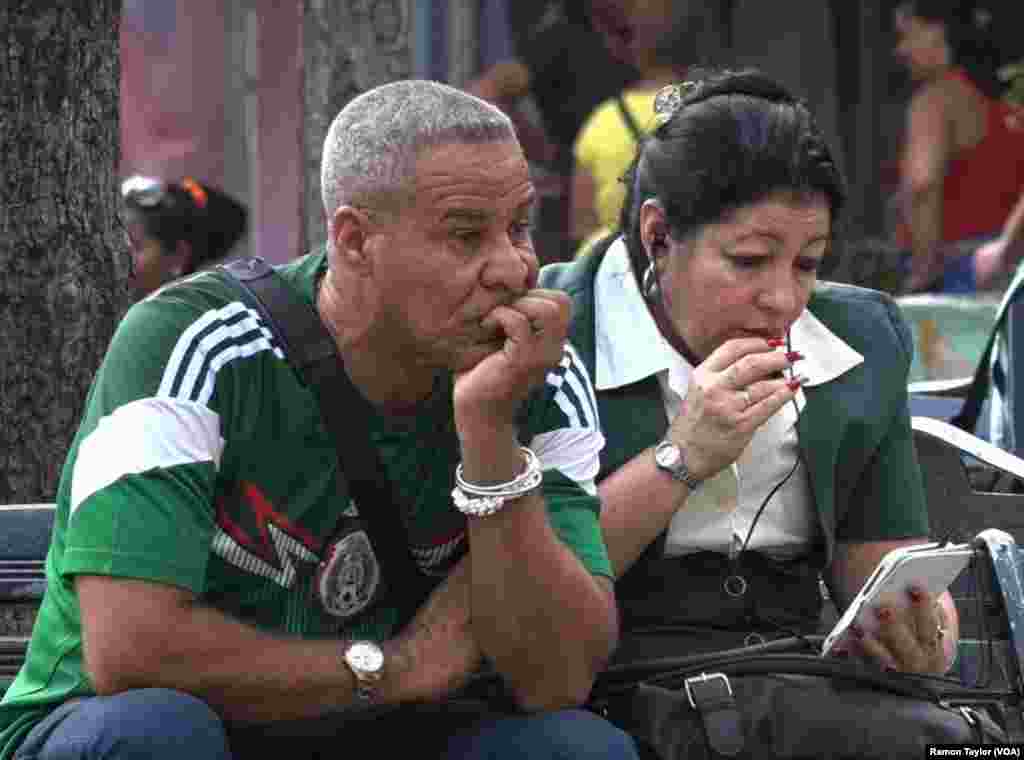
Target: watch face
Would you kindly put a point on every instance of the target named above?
(365, 657)
(667, 455)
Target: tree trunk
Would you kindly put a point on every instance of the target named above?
(350, 47)
(62, 251)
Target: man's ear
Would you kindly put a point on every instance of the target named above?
(350, 231)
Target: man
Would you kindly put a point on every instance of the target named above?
(193, 582)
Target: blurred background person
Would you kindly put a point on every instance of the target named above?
(666, 38)
(569, 55)
(962, 168)
(176, 228)
(1001, 256)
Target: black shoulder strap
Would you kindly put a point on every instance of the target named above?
(967, 418)
(628, 118)
(311, 351)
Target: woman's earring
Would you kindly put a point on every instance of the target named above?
(651, 287)
(650, 284)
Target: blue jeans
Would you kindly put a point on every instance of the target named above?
(160, 724)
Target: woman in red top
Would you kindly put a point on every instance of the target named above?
(963, 163)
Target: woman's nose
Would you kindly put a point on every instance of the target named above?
(779, 297)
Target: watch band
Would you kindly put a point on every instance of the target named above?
(365, 660)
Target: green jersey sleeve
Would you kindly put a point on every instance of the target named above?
(563, 429)
(145, 461)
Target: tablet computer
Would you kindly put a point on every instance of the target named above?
(932, 567)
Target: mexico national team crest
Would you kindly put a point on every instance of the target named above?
(349, 575)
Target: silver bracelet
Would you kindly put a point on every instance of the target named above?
(491, 498)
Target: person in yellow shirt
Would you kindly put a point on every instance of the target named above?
(666, 38)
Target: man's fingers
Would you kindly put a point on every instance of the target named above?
(546, 311)
(515, 324)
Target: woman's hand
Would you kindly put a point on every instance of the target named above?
(731, 394)
(910, 638)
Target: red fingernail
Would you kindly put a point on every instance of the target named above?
(794, 356)
(916, 594)
(776, 342)
(884, 614)
(796, 382)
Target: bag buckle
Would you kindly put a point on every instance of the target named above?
(711, 680)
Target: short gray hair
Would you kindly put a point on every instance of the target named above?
(373, 143)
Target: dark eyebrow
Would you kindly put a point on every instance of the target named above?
(778, 238)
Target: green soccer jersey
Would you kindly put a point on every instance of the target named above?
(202, 462)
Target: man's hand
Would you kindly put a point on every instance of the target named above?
(534, 329)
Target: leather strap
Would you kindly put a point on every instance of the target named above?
(312, 353)
(711, 696)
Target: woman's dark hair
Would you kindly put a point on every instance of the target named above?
(982, 35)
(735, 138)
(210, 228)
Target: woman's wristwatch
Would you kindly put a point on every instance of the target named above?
(669, 457)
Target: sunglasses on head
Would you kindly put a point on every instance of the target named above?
(150, 192)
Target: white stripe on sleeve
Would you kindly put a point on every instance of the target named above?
(141, 436)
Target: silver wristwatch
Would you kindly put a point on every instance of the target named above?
(366, 661)
(669, 457)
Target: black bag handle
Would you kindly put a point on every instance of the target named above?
(967, 417)
(312, 353)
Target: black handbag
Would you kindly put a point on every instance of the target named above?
(774, 702)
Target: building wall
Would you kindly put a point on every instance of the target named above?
(240, 93)
(172, 86)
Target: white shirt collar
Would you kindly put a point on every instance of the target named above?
(630, 347)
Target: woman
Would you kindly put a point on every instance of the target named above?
(176, 228)
(963, 160)
(667, 38)
(729, 482)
